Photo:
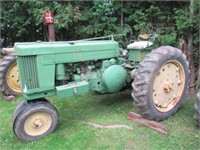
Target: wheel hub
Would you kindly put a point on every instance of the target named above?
(37, 123)
(13, 78)
(168, 86)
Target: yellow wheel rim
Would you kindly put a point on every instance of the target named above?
(13, 78)
(37, 123)
(168, 86)
(1, 57)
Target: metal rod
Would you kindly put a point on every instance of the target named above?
(103, 37)
(51, 32)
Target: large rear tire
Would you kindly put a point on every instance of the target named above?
(161, 83)
(197, 110)
(1, 55)
(9, 77)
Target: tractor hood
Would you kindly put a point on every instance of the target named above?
(79, 50)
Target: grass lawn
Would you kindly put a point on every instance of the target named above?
(73, 133)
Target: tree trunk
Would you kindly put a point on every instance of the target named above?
(186, 45)
(190, 49)
(191, 64)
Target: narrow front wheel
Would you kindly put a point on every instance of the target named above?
(35, 121)
(18, 108)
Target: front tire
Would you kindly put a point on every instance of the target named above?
(18, 109)
(161, 83)
(35, 121)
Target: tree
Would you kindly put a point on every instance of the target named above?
(24, 20)
(188, 28)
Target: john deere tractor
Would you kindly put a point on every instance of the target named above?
(159, 78)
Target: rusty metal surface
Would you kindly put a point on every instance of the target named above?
(51, 32)
(148, 123)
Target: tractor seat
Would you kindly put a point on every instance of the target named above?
(139, 45)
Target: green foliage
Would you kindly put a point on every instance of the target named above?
(24, 20)
(97, 20)
(184, 21)
(168, 39)
(187, 20)
(140, 18)
(155, 18)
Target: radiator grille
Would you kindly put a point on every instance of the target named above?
(28, 71)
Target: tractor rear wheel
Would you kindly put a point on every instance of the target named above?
(35, 121)
(197, 110)
(1, 57)
(9, 77)
(161, 83)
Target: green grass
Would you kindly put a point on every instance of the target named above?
(73, 133)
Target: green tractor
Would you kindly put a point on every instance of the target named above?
(159, 78)
(9, 77)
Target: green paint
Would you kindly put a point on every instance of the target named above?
(72, 89)
(137, 54)
(60, 72)
(69, 68)
(114, 78)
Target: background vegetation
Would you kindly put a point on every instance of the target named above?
(24, 20)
